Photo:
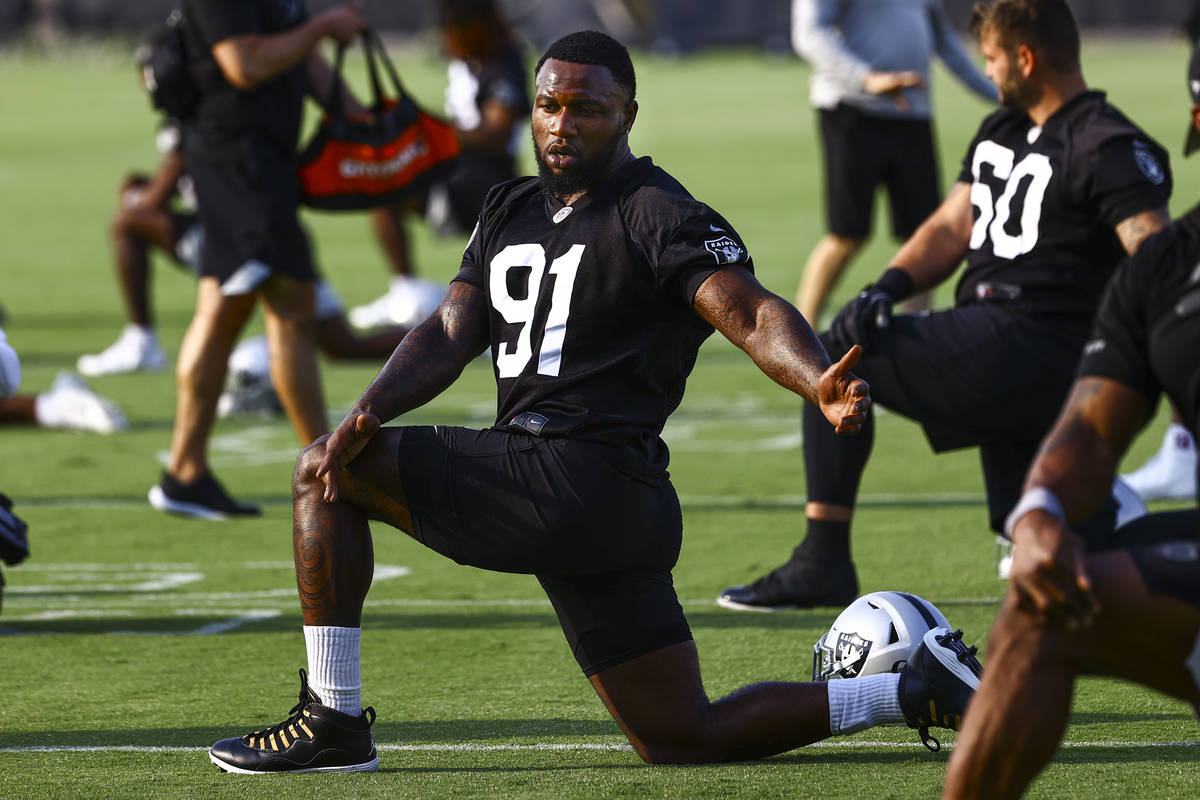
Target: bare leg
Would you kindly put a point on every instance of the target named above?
(289, 308)
(331, 541)
(1017, 718)
(200, 373)
(388, 223)
(133, 231)
(337, 341)
(660, 704)
(825, 265)
(18, 409)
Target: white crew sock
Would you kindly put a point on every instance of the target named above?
(856, 704)
(333, 666)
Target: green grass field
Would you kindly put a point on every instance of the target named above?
(132, 640)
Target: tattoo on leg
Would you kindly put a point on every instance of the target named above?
(334, 560)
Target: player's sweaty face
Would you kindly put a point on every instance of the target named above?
(579, 116)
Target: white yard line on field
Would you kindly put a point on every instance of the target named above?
(470, 747)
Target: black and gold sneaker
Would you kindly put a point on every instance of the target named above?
(937, 683)
(315, 738)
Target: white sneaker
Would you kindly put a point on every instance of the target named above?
(407, 303)
(72, 405)
(135, 350)
(1169, 474)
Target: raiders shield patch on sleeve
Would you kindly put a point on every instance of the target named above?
(725, 250)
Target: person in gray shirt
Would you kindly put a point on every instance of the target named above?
(870, 86)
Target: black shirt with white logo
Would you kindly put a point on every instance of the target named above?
(1046, 201)
(1147, 332)
(590, 305)
(271, 111)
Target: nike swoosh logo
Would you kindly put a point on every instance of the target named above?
(715, 229)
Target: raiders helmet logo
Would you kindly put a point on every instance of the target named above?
(851, 653)
(725, 250)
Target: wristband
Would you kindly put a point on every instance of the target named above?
(1039, 498)
(895, 283)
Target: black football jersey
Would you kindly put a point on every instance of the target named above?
(1147, 332)
(1047, 199)
(273, 109)
(590, 305)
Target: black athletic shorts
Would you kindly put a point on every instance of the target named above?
(601, 542)
(862, 152)
(247, 193)
(978, 375)
(1168, 553)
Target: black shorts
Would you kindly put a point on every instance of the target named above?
(1169, 556)
(247, 193)
(978, 375)
(601, 542)
(864, 151)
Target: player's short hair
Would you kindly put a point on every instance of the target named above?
(594, 47)
(1047, 27)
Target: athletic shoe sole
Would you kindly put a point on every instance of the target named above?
(949, 659)
(158, 499)
(367, 766)
(725, 602)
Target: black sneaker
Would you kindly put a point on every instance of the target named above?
(315, 738)
(203, 498)
(937, 683)
(797, 584)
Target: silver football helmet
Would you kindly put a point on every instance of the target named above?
(876, 633)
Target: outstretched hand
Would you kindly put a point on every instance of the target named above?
(843, 398)
(1049, 571)
(343, 446)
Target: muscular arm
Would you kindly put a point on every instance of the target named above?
(1078, 459)
(934, 251)
(1134, 230)
(1076, 463)
(430, 357)
(250, 60)
(775, 335)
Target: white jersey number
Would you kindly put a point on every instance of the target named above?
(1033, 172)
(513, 356)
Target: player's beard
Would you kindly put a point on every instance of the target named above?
(1016, 92)
(583, 176)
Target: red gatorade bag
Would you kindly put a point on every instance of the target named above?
(360, 161)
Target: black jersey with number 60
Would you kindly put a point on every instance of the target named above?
(590, 305)
(1047, 199)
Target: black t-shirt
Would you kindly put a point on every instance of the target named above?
(1147, 332)
(1047, 199)
(590, 305)
(271, 111)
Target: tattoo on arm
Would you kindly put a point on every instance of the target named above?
(769, 329)
(1132, 231)
(432, 356)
